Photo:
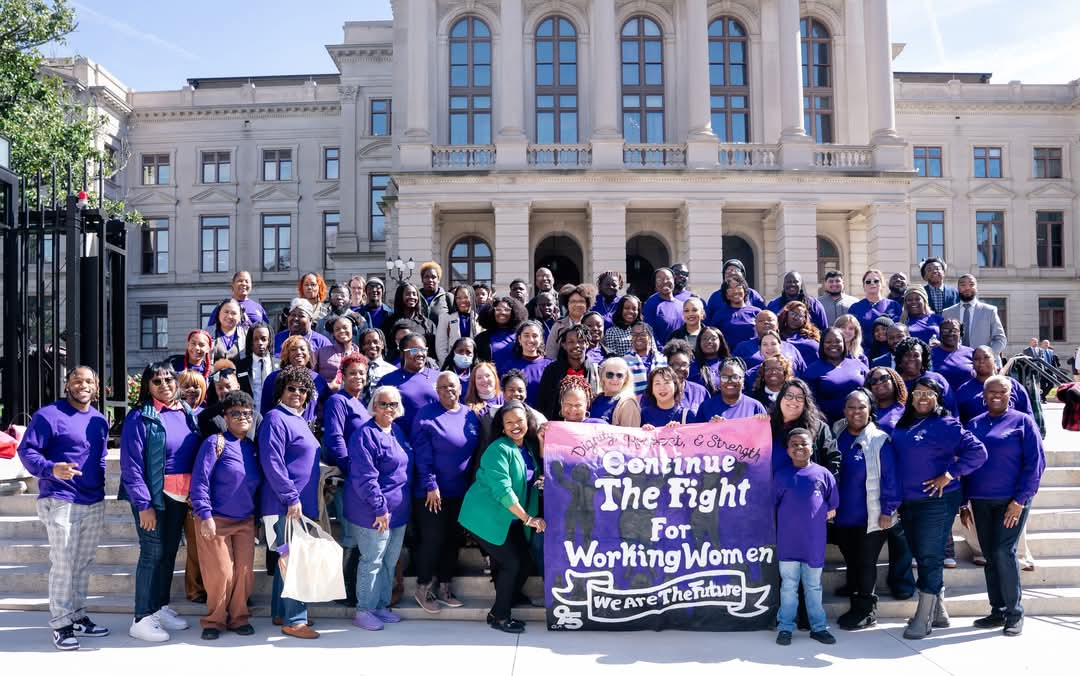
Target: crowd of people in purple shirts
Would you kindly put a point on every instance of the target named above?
(419, 425)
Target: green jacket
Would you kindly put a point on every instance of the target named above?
(500, 483)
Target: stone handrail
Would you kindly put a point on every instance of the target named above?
(748, 156)
(654, 154)
(560, 155)
(463, 157)
(836, 157)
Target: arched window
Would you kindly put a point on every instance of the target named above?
(828, 258)
(470, 261)
(729, 88)
(642, 81)
(817, 79)
(470, 82)
(556, 81)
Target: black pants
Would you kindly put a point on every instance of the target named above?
(860, 550)
(510, 565)
(438, 540)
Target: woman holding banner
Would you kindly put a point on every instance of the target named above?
(499, 506)
(730, 402)
(616, 403)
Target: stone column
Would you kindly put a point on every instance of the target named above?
(415, 148)
(606, 139)
(796, 245)
(349, 231)
(511, 143)
(857, 252)
(704, 244)
(888, 237)
(607, 237)
(794, 142)
(413, 236)
(701, 141)
(890, 151)
(511, 242)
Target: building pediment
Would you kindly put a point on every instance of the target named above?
(1052, 191)
(931, 189)
(992, 190)
(152, 198)
(329, 192)
(276, 193)
(375, 149)
(215, 195)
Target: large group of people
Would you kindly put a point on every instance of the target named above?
(889, 417)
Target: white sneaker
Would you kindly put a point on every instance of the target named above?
(168, 619)
(148, 629)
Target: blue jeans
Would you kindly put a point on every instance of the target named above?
(901, 578)
(379, 554)
(157, 557)
(999, 547)
(337, 510)
(928, 525)
(791, 572)
(290, 610)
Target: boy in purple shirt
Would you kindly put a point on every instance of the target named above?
(64, 447)
(806, 497)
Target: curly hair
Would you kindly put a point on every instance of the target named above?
(237, 399)
(430, 265)
(586, 291)
(678, 346)
(620, 281)
(899, 388)
(907, 345)
(576, 383)
(808, 330)
(318, 278)
(518, 314)
(668, 374)
(290, 344)
(759, 381)
(294, 375)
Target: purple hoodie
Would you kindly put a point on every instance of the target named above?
(61, 433)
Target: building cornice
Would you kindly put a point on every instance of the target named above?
(371, 53)
(948, 106)
(638, 177)
(241, 112)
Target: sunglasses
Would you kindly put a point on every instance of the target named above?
(879, 380)
(162, 380)
(241, 415)
(872, 281)
(612, 375)
(297, 390)
(923, 394)
(388, 404)
(413, 351)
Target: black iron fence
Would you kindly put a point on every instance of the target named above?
(64, 292)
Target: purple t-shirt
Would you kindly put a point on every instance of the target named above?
(866, 312)
(533, 369)
(59, 432)
(739, 324)
(807, 347)
(717, 310)
(658, 417)
(417, 391)
(925, 328)
(603, 407)
(606, 308)
(831, 384)
(852, 510)
(955, 367)
(443, 445)
(694, 395)
(225, 486)
(379, 470)
(664, 316)
(289, 458)
(804, 498)
(887, 417)
(745, 407)
(1015, 459)
(969, 399)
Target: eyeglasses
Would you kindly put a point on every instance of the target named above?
(612, 375)
(923, 394)
(388, 404)
(868, 282)
(413, 351)
(792, 396)
(297, 390)
(879, 380)
(162, 380)
(446, 388)
(241, 415)
(731, 378)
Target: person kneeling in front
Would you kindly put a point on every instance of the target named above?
(806, 497)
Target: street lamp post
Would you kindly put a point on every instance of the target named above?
(399, 270)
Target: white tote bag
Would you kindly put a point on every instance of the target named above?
(313, 572)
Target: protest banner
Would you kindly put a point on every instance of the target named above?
(669, 528)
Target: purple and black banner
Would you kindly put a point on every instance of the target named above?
(665, 529)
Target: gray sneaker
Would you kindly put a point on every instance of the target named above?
(446, 596)
(425, 598)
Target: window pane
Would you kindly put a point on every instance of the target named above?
(480, 29)
(482, 53)
(481, 102)
(208, 173)
(568, 75)
(568, 128)
(631, 101)
(632, 127)
(566, 28)
(738, 75)
(654, 101)
(270, 171)
(740, 128)
(460, 29)
(481, 249)
(482, 76)
(459, 130)
(544, 75)
(656, 128)
(459, 76)
(567, 51)
(568, 101)
(544, 52)
(654, 74)
(459, 102)
(545, 127)
(735, 52)
(482, 271)
(716, 75)
(225, 172)
(459, 250)
(653, 49)
(630, 75)
(163, 175)
(650, 27)
(545, 28)
(482, 129)
(460, 271)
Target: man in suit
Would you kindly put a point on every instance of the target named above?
(940, 296)
(1049, 356)
(1033, 350)
(982, 325)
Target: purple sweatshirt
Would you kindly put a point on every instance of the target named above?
(949, 398)
(925, 328)
(832, 384)
(866, 312)
(717, 310)
(739, 324)
(603, 407)
(804, 498)
(181, 445)
(378, 477)
(225, 486)
(658, 417)
(745, 407)
(969, 398)
(693, 396)
(1015, 459)
(930, 447)
(61, 433)
(664, 316)
(315, 341)
(807, 347)
(955, 366)
(533, 369)
(887, 417)
(502, 348)
(343, 414)
(289, 457)
(417, 391)
(443, 445)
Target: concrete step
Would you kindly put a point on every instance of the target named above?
(26, 527)
(1061, 476)
(1053, 543)
(1057, 496)
(961, 602)
(1047, 519)
(1062, 458)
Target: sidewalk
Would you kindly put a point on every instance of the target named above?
(470, 648)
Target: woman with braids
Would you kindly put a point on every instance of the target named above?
(770, 376)
(797, 329)
(575, 397)
(730, 402)
(529, 357)
(289, 458)
(617, 335)
(500, 321)
(912, 357)
(834, 374)
(710, 351)
(661, 405)
(933, 451)
(198, 353)
(616, 403)
(408, 305)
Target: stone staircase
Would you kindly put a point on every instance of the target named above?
(1053, 588)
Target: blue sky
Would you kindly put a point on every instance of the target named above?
(155, 45)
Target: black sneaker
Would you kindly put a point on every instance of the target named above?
(210, 634)
(64, 638)
(823, 636)
(1014, 626)
(86, 627)
(243, 630)
(783, 638)
(991, 621)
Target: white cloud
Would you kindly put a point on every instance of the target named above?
(131, 31)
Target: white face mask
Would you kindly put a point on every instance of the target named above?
(485, 396)
(462, 361)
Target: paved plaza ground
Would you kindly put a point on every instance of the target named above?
(1049, 645)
